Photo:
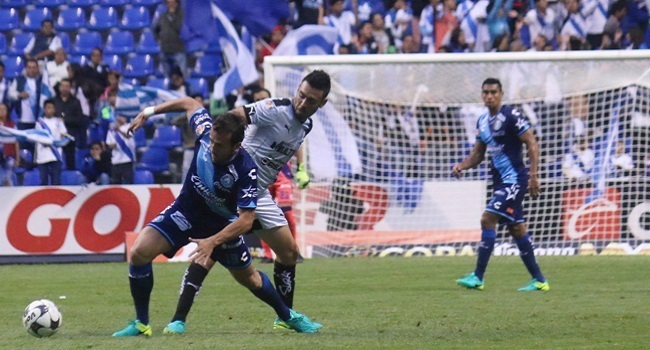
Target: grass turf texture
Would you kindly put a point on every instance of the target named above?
(390, 303)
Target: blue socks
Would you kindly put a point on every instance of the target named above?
(485, 248)
(527, 253)
(141, 281)
(269, 295)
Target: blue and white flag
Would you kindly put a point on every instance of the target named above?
(133, 99)
(332, 147)
(10, 135)
(240, 60)
(308, 40)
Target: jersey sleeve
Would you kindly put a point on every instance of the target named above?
(478, 130)
(517, 121)
(200, 122)
(261, 113)
(247, 196)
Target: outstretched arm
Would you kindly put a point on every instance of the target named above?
(205, 246)
(475, 158)
(185, 104)
(533, 156)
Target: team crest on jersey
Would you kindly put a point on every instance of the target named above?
(498, 123)
(158, 218)
(199, 129)
(269, 104)
(226, 181)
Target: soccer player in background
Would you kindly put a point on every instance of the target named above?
(502, 131)
(277, 129)
(217, 204)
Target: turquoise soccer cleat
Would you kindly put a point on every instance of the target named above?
(301, 323)
(134, 328)
(535, 285)
(471, 281)
(176, 327)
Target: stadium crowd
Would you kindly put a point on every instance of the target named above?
(75, 55)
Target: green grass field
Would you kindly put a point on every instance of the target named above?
(390, 303)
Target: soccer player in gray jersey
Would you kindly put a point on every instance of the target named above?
(277, 128)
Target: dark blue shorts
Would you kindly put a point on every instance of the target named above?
(507, 202)
(177, 229)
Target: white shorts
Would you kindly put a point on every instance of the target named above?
(267, 212)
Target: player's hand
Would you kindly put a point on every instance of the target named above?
(457, 170)
(202, 252)
(302, 177)
(533, 187)
(137, 123)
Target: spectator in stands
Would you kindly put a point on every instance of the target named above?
(96, 165)
(114, 79)
(579, 162)
(48, 157)
(366, 8)
(575, 25)
(167, 30)
(472, 18)
(636, 39)
(398, 21)
(366, 43)
(57, 69)
(410, 44)
(68, 108)
(457, 42)
(44, 43)
(595, 12)
(428, 19)
(621, 163)
(27, 90)
(9, 152)
(4, 86)
(446, 21)
(122, 145)
(539, 43)
(178, 84)
(277, 35)
(343, 21)
(540, 20)
(95, 77)
(498, 14)
(74, 71)
(382, 35)
(309, 12)
(612, 29)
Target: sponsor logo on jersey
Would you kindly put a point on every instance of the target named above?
(205, 192)
(180, 221)
(158, 218)
(283, 148)
(250, 192)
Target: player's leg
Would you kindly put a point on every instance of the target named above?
(527, 254)
(147, 246)
(489, 221)
(190, 286)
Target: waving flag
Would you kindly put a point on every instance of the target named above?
(308, 40)
(133, 99)
(242, 64)
(10, 135)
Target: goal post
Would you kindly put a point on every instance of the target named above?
(382, 149)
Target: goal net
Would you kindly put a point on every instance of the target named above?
(382, 149)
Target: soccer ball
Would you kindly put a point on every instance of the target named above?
(42, 318)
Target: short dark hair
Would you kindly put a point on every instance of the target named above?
(31, 60)
(48, 101)
(65, 80)
(492, 81)
(319, 80)
(47, 20)
(230, 123)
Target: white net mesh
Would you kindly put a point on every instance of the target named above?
(381, 153)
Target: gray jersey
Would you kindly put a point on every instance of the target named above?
(273, 136)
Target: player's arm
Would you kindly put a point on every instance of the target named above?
(240, 226)
(528, 138)
(185, 104)
(475, 158)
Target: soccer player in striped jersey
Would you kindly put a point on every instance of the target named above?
(277, 128)
(502, 132)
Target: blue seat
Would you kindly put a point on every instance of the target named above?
(81, 60)
(79, 156)
(139, 66)
(18, 44)
(154, 159)
(147, 3)
(32, 178)
(49, 3)
(131, 81)
(14, 66)
(71, 178)
(147, 44)
(208, 66)
(9, 19)
(3, 44)
(113, 3)
(27, 161)
(199, 86)
(167, 136)
(119, 43)
(102, 18)
(82, 3)
(86, 42)
(142, 177)
(158, 83)
(96, 133)
(114, 62)
(160, 9)
(14, 3)
(135, 18)
(34, 17)
(140, 139)
(73, 18)
(65, 40)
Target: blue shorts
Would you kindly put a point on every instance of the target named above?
(507, 202)
(177, 229)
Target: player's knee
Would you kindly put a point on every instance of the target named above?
(251, 280)
(138, 256)
(517, 231)
(288, 256)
